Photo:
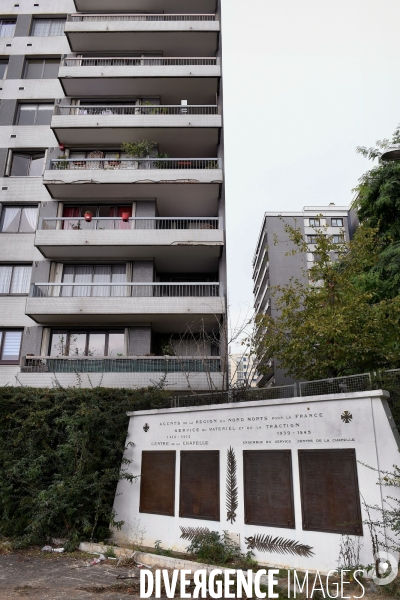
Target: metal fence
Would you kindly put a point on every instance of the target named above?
(104, 289)
(336, 385)
(134, 110)
(82, 364)
(138, 61)
(110, 223)
(179, 164)
(139, 17)
(235, 395)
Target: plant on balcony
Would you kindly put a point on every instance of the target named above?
(157, 110)
(161, 164)
(141, 149)
(62, 162)
(212, 164)
(125, 216)
(88, 216)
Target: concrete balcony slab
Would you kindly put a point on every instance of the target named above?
(194, 83)
(190, 249)
(172, 38)
(124, 311)
(196, 132)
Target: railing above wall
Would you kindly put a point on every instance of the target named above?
(122, 289)
(137, 61)
(180, 164)
(133, 110)
(124, 364)
(139, 17)
(110, 223)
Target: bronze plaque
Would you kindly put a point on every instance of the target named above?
(268, 488)
(329, 491)
(199, 485)
(157, 483)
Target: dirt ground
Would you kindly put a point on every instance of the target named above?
(63, 578)
(32, 574)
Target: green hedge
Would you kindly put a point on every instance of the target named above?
(60, 459)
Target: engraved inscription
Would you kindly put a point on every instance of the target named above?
(268, 488)
(329, 491)
(157, 482)
(199, 484)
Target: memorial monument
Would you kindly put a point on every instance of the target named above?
(295, 468)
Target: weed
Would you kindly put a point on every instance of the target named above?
(162, 551)
(219, 549)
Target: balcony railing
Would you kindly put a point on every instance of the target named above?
(105, 289)
(109, 223)
(138, 17)
(137, 61)
(134, 163)
(126, 364)
(151, 109)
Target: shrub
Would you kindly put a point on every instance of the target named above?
(219, 549)
(61, 452)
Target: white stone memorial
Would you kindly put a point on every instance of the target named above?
(301, 494)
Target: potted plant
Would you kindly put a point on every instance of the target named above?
(62, 162)
(141, 149)
(88, 216)
(125, 216)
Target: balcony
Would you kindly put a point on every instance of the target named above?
(123, 372)
(193, 243)
(171, 34)
(188, 186)
(124, 303)
(160, 76)
(113, 125)
(172, 6)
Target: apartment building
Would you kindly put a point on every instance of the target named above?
(273, 267)
(243, 370)
(112, 225)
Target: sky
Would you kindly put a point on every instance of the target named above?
(305, 82)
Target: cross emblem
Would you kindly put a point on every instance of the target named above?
(146, 427)
(346, 416)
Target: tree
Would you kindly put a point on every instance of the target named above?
(332, 322)
(378, 206)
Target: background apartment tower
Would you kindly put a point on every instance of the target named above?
(112, 263)
(272, 266)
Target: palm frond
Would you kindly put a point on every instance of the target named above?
(279, 545)
(231, 487)
(189, 533)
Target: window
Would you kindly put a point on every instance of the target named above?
(338, 239)
(35, 114)
(7, 27)
(27, 165)
(104, 211)
(337, 222)
(42, 68)
(10, 346)
(312, 239)
(48, 27)
(18, 219)
(3, 68)
(99, 274)
(15, 279)
(314, 222)
(87, 343)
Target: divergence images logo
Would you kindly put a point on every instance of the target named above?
(387, 567)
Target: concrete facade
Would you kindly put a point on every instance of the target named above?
(274, 266)
(174, 238)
